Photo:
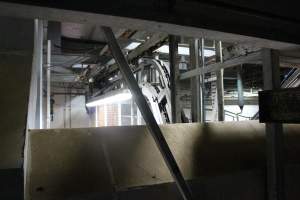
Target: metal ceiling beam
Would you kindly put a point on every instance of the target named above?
(118, 34)
(147, 114)
(152, 42)
(226, 64)
(172, 17)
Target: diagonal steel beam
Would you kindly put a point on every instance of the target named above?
(226, 64)
(147, 114)
(155, 39)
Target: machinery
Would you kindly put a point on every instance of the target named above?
(153, 77)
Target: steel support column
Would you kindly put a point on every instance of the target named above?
(220, 83)
(174, 78)
(274, 131)
(33, 93)
(147, 114)
(40, 66)
(195, 82)
(48, 82)
(202, 80)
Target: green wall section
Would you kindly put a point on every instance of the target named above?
(16, 47)
(14, 86)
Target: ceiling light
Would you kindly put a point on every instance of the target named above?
(109, 99)
(208, 53)
(182, 50)
(133, 45)
(79, 66)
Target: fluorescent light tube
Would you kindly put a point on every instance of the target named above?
(110, 99)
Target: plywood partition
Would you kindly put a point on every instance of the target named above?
(99, 161)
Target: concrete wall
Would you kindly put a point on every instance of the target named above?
(97, 162)
(16, 47)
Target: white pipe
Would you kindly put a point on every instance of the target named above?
(32, 104)
(48, 81)
(40, 66)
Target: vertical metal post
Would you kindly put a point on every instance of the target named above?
(174, 78)
(120, 114)
(220, 83)
(105, 114)
(195, 82)
(138, 117)
(240, 88)
(40, 66)
(147, 114)
(96, 117)
(32, 104)
(202, 80)
(274, 131)
(131, 113)
(48, 82)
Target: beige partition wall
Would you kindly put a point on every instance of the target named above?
(74, 162)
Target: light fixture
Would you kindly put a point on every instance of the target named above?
(208, 52)
(109, 98)
(79, 66)
(133, 45)
(183, 50)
